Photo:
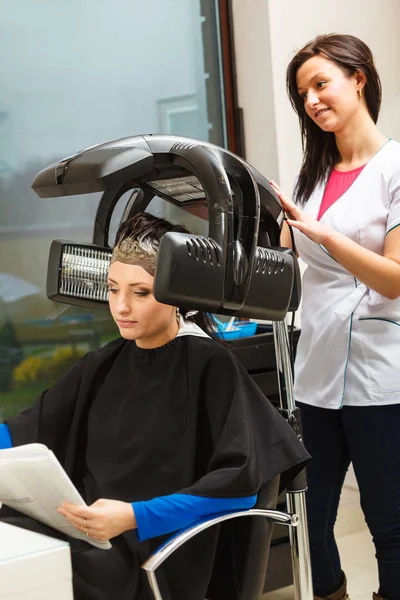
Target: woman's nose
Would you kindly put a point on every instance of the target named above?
(312, 98)
(122, 305)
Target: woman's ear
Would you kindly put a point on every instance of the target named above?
(361, 79)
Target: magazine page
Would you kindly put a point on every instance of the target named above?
(33, 482)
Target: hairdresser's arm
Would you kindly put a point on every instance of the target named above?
(379, 273)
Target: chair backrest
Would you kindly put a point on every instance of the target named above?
(242, 553)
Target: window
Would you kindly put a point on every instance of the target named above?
(182, 115)
(75, 74)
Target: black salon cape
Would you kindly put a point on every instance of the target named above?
(133, 424)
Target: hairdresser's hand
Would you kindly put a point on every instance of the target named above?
(102, 520)
(315, 230)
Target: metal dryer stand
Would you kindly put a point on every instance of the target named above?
(295, 496)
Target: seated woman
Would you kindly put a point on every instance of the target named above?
(158, 429)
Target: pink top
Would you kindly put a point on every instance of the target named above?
(337, 184)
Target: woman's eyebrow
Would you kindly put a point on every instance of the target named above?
(130, 284)
(312, 79)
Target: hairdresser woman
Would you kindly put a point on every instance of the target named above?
(346, 216)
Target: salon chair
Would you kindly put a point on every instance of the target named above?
(242, 551)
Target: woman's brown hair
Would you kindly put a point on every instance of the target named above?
(320, 153)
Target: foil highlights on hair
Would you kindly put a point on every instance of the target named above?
(136, 252)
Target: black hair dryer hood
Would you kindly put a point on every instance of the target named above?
(238, 269)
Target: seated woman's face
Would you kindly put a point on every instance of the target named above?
(135, 310)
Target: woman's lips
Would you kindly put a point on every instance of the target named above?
(321, 112)
(126, 324)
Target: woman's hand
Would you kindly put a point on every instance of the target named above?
(313, 229)
(379, 273)
(102, 520)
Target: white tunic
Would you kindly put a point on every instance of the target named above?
(349, 347)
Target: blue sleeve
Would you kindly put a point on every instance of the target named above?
(5, 437)
(179, 511)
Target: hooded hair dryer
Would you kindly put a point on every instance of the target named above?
(238, 269)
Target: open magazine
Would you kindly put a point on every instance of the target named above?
(33, 482)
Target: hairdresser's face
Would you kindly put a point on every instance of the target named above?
(135, 310)
(330, 96)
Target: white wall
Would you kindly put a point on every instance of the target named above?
(267, 35)
(254, 72)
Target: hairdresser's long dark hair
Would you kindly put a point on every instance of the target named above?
(150, 229)
(320, 153)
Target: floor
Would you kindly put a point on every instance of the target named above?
(355, 545)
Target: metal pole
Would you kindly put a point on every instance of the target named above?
(295, 499)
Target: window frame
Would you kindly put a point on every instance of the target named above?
(233, 112)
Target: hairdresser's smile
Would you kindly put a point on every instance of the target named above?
(320, 112)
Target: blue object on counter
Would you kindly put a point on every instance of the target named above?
(239, 329)
(232, 334)
(246, 328)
